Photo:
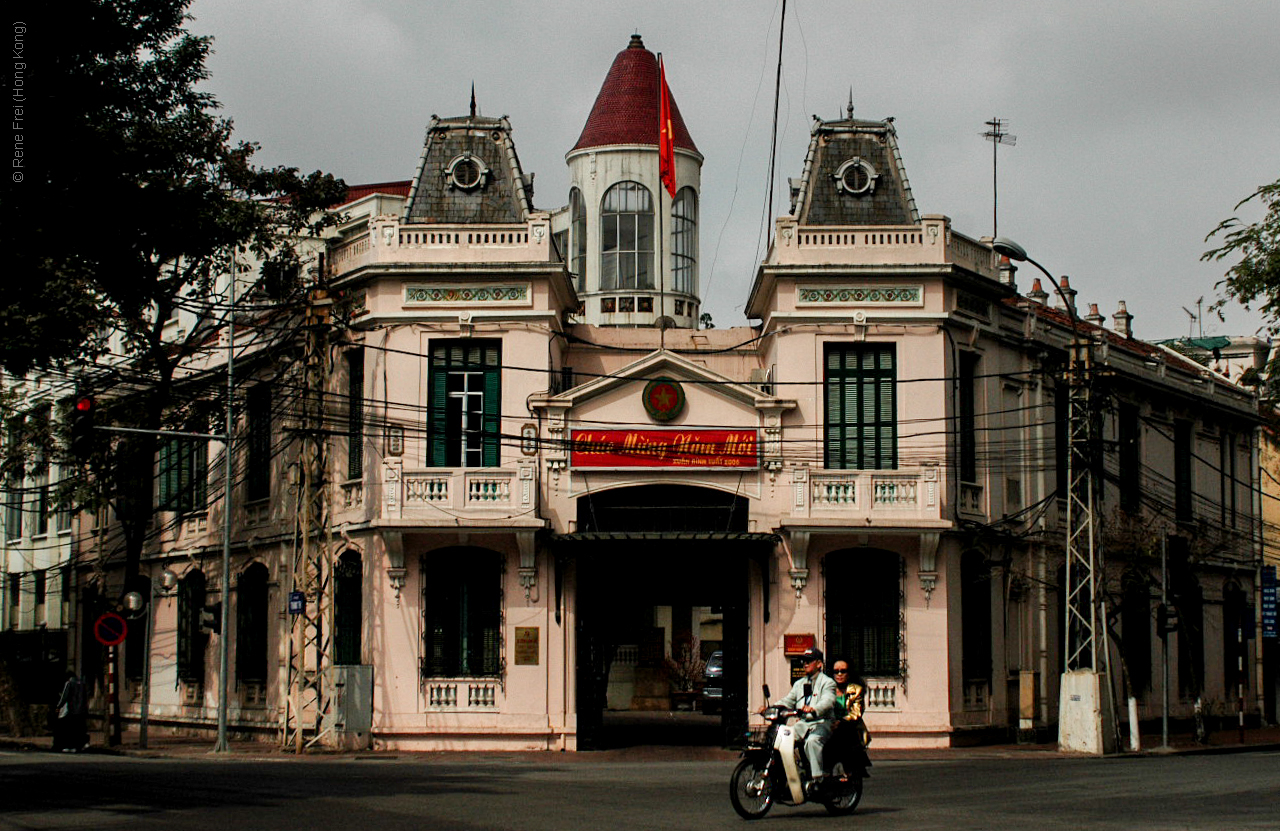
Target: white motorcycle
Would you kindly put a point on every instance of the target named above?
(774, 769)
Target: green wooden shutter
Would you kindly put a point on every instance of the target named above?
(492, 413)
(437, 448)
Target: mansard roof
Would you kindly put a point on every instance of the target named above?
(626, 110)
(469, 173)
(820, 198)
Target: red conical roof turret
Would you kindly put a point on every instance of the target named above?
(626, 110)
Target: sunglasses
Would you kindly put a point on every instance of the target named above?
(841, 671)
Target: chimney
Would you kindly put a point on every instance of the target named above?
(1037, 293)
(1006, 271)
(1124, 321)
(1067, 295)
(1094, 316)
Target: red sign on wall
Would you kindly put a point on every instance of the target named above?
(664, 448)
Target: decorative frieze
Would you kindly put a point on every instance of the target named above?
(861, 295)
(506, 295)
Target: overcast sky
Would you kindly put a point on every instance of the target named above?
(1139, 124)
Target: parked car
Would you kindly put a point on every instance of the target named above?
(713, 687)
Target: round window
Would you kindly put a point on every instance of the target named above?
(856, 176)
(466, 172)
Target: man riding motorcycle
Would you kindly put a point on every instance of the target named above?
(818, 703)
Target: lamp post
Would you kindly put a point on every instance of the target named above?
(1081, 714)
(134, 603)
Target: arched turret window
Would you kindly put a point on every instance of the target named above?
(577, 240)
(684, 240)
(626, 238)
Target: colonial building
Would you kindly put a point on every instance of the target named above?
(512, 487)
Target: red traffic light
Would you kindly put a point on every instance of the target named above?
(84, 404)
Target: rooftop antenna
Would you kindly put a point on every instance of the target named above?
(997, 136)
(1196, 317)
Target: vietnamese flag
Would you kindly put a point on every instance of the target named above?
(666, 139)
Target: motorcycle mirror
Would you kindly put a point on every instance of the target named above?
(808, 690)
(766, 692)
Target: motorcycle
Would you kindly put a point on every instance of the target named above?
(774, 769)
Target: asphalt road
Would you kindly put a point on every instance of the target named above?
(471, 792)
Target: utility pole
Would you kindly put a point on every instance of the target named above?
(1085, 718)
(309, 697)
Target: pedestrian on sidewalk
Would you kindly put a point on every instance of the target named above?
(69, 734)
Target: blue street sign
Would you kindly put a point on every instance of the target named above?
(297, 603)
(1269, 629)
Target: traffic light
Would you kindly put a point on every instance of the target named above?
(1166, 619)
(211, 618)
(83, 414)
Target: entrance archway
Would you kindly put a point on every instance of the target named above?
(659, 569)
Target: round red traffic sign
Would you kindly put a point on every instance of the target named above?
(110, 629)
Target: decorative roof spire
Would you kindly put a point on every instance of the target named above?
(626, 110)
(850, 103)
(473, 99)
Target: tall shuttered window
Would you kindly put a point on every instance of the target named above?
(462, 613)
(183, 475)
(966, 417)
(251, 624)
(464, 423)
(355, 414)
(191, 639)
(257, 474)
(861, 418)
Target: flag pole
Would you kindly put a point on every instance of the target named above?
(662, 271)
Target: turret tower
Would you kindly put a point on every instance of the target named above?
(632, 248)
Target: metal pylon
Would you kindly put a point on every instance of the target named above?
(1083, 629)
(310, 697)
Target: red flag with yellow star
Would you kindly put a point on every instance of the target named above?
(666, 138)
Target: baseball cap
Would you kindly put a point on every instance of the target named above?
(812, 654)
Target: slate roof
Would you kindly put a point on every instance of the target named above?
(626, 110)
(503, 197)
(820, 202)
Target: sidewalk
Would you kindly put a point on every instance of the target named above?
(167, 746)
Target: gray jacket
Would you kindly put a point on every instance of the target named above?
(822, 699)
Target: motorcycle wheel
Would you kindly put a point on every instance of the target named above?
(844, 799)
(750, 791)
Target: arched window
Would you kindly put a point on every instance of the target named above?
(1189, 599)
(626, 238)
(251, 624)
(347, 608)
(684, 241)
(462, 613)
(975, 611)
(191, 638)
(863, 595)
(577, 239)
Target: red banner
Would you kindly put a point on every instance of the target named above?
(666, 139)
(664, 448)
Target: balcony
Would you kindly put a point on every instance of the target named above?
(866, 496)
(449, 495)
(932, 241)
(389, 242)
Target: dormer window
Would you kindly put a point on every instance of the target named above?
(856, 177)
(466, 172)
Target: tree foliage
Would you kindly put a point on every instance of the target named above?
(139, 192)
(1255, 279)
(141, 203)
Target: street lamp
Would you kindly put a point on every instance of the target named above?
(134, 602)
(1080, 712)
